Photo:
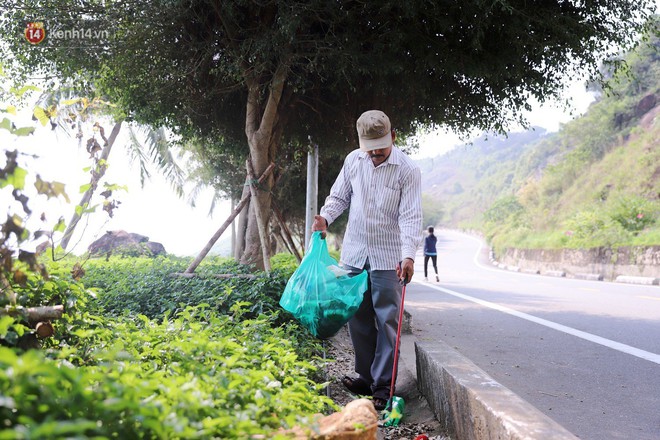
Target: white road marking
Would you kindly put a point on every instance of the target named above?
(642, 354)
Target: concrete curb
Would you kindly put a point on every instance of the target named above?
(472, 405)
(649, 281)
(590, 276)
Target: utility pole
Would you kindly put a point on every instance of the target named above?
(311, 204)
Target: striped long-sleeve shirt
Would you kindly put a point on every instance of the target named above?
(385, 215)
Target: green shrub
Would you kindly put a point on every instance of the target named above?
(33, 289)
(542, 240)
(648, 237)
(147, 286)
(284, 264)
(146, 378)
(150, 287)
(588, 229)
(199, 375)
(634, 213)
(504, 209)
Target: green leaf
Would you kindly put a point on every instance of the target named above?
(80, 210)
(9, 126)
(51, 189)
(116, 187)
(5, 323)
(85, 187)
(60, 226)
(16, 179)
(71, 101)
(24, 131)
(40, 114)
(20, 329)
(6, 124)
(20, 92)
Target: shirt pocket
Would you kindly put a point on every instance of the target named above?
(388, 200)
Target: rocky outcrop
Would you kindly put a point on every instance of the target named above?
(644, 105)
(126, 243)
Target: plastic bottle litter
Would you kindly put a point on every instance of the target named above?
(394, 416)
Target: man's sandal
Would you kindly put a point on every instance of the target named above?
(356, 385)
(379, 403)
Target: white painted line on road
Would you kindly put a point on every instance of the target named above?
(649, 297)
(647, 355)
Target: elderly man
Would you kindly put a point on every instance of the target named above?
(381, 187)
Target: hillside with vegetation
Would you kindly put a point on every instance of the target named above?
(596, 182)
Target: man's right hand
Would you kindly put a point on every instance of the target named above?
(320, 224)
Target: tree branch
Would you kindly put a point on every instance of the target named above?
(226, 224)
(35, 314)
(276, 88)
(93, 184)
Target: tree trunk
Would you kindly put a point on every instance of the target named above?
(263, 132)
(286, 234)
(241, 205)
(241, 227)
(252, 252)
(97, 175)
(233, 227)
(262, 224)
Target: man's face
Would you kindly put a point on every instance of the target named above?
(380, 156)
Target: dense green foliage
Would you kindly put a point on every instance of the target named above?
(24, 281)
(215, 358)
(268, 79)
(199, 375)
(446, 67)
(150, 287)
(37, 290)
(594, 183)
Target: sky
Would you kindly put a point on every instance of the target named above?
(154, 210)
(549, 116)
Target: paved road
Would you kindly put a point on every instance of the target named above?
(586, 353)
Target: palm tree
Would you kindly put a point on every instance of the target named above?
(66, 110)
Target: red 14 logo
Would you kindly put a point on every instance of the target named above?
(35, 32)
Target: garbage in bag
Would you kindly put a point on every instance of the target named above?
(320, 294)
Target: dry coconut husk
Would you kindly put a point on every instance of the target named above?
(357, 420)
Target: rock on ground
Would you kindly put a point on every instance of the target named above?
(115, 241)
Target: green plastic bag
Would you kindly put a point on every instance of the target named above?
(320, 294)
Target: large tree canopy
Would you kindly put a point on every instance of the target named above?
(267, 78)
